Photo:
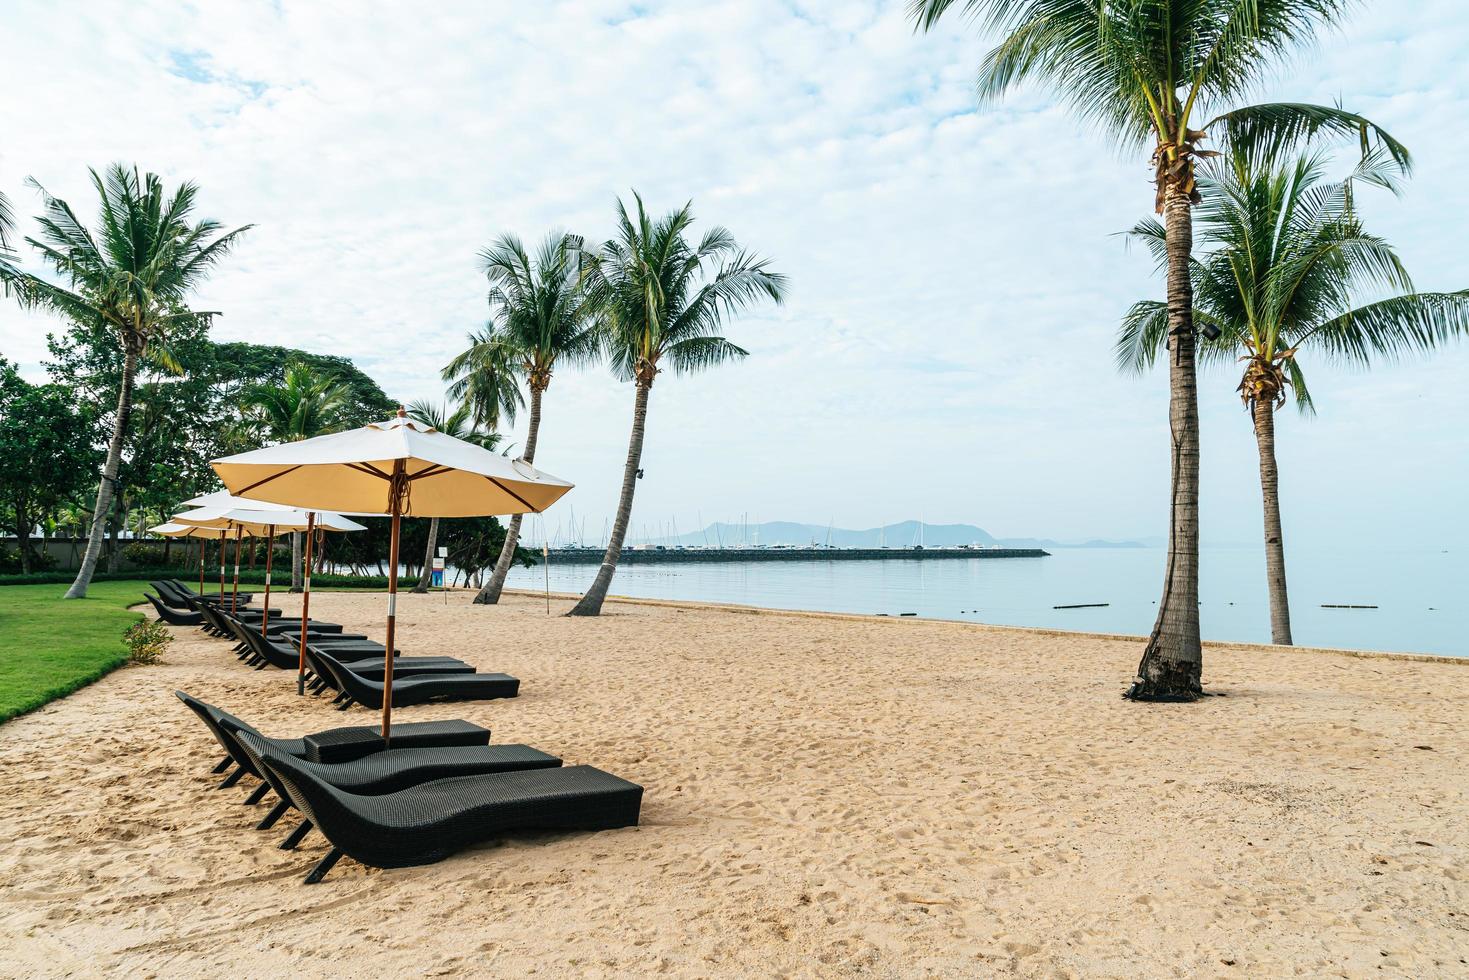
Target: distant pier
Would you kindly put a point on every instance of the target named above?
(634, 556)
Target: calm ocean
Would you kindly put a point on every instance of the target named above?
(1419, 593)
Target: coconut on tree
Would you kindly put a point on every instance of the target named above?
(131, 277)
(1286, 268)
(460, 424)
(539, 320)
(1161, 76)
(305, 403)
(660, 300)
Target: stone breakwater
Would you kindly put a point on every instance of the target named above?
(676, 555)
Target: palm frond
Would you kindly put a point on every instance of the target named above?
(1390, 328)
(1270, 132)
(1141, 336)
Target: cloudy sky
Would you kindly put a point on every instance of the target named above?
(955, 282)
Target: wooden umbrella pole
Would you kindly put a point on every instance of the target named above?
(222, 551)
(202, 542)
(305, 604)
(269, 554)
(395, 492)
(235, 589)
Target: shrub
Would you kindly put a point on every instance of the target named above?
(149, 554)
(146, 642)
(10, 561)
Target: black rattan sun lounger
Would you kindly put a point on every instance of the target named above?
(343, 744)
(183, 588)
(287, 657)
(393, 770)
(179, 597)
(415, 690)
(429, 822)
(172, 616)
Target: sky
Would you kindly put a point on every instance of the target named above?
(955, 275)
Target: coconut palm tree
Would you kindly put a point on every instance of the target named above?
(132, 277)
(543, 322)
(460, 424)
(304, 404)
(1147, 72)
(1286, 266)
(660, 299)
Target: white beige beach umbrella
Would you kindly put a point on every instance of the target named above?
(223, 498)
(169, 529)
(400, 467)
(257, 521)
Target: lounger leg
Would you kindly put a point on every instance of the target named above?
(319, 872)
(341, 696)
(258, 795)
(232, 778)
(346, 704)
(276, 812)
(224, 764)
(296, 836)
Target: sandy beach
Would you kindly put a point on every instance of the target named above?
(825, 796)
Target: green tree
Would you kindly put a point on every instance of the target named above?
(539, 321)
(132, 276)
(1287, 263)
(1146, 72)
(303, 404)
(46, 455)
(458, 423)
(162, 461)
(239, 366)
(660, 301)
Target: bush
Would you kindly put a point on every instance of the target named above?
(146, 642)
(149, 554)
(10, 561)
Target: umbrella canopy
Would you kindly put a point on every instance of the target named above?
(400, 467)
(223, 498)
(350, 471)
(169, 529)
(259, 522)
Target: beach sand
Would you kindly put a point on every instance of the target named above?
(825, 796)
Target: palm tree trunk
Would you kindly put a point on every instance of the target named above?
(1274, 540)
(427, 575)
(1172, 663)
(490, 594)
(102, 512)
(591, 603)
(295, 561)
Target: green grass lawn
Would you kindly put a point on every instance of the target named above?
(50, 646)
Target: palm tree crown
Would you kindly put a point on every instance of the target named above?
(661, 299)
(1287, 264)
(1148, 71)
(135, 272)
(458, 422)
(306, 403)
(540, 303)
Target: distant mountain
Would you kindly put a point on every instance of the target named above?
(904, 534)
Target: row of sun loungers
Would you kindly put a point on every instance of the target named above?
(349, 664)
(439, 787)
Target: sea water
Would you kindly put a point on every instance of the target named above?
(1419, 594)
